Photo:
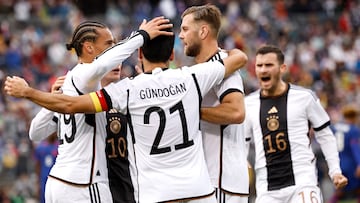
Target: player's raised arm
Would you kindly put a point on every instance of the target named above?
(115, 55)
(236, 60)
(18, 87)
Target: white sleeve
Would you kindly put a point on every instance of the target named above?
(327, 142)
(248, 132)
(107, 61)
(233, 83)
(316, 112)
(320, 121)
(208, 74)
(42, 125)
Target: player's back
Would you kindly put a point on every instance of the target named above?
(81, 158)
(169, 142)
(163, 108)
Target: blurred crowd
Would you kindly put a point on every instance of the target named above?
(320, 38)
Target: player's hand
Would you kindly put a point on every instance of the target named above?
(56, 87)
(138, 69)
(340, 181)
(15, 86)
(156, 26)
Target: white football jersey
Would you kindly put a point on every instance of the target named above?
(163, 110)
(81, 158)
(81, 153)
(224, 145)
(280, 127)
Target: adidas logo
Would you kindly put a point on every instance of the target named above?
(98, 173)
(272, 110)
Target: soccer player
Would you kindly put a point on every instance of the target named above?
(80, 173)
(278, 119)
(162, 106)
(223, 108)
(117, 146)
(348, 141)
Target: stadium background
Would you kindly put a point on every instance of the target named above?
(320, 38)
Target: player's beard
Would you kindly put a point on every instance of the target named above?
(193, 50)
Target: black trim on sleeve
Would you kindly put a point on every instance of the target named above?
(323, 126)
(145, 35)
(228, 91)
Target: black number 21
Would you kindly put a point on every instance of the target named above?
(177, 107)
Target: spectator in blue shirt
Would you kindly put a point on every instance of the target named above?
(348, 140)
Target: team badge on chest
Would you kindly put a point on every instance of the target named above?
(273, 119)
(115, 125)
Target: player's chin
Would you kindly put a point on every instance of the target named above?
(265, 85)
(117, 76)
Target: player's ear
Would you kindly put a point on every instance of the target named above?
(140, 54)
(204, 31)
(283, 68)
(87, 46)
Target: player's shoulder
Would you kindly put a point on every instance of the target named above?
(203, 68)
(78, 68)
(302, 91)
(220, 54)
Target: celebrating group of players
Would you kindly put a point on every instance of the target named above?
(118, 145)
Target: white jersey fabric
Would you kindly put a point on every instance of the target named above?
(58, 192)
(224, 145)
(81, 154)
(43, 124)
(279, 127)
(81, 158)
(163, 114)
(293, 194)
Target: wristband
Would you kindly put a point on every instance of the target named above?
(145, 35)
